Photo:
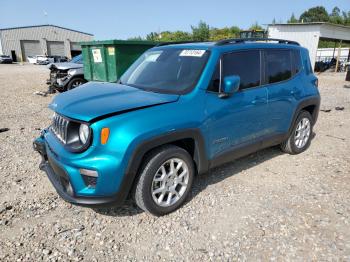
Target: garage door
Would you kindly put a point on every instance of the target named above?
(30, 48)
(75, 46)
(75, 49)
(55, 48)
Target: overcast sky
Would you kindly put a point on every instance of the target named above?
(108, 19)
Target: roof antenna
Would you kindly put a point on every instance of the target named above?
(46, 19)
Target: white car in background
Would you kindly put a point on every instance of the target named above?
(40, 59)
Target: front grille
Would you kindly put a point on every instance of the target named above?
(61, 74)
(59, 127)
(58, 74)
(61, 177)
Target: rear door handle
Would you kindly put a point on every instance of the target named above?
(295, 91)
(259, 101)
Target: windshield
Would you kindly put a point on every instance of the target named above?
(77, 59)
(166, 71)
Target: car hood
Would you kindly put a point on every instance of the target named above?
(93, 101)
(65, 65)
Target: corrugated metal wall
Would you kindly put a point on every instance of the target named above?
(55, 48)
(11, 38)
(30, 47)
(75, 46)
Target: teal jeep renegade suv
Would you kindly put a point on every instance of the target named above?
(178, 111)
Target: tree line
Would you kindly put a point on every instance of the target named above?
(320, 14)
(201, 32)
(204, 32)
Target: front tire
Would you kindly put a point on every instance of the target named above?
(300, 137)
(165, 180)
(75, 82)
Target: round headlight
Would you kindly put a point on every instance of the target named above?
(84, 133)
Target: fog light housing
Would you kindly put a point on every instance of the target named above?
(89, 177)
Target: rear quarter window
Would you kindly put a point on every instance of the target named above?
(278, 65)
(296, 61)
(306, 61)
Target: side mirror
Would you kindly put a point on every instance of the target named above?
(230, 85)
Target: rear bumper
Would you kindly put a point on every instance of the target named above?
(61, 181)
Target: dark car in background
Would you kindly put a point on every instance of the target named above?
(5, 59)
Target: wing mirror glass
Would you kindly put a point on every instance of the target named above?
(230, 85)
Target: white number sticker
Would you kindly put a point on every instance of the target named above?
(196, 53)
(96, 53)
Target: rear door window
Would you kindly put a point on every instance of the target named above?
(278, 65)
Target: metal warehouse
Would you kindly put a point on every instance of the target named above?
(309, 35)
(21, 42)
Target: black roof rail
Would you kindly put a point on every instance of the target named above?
(243, 40)
(177, 42)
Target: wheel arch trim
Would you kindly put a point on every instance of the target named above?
(312, 101)
(135, 160)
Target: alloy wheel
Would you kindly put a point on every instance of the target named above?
(77, 83)
(302, 133)
(170, 182)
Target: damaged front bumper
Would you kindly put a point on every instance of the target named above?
(62, 82)
(58, 80)
(62, 183)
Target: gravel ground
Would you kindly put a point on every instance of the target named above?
(267, 206)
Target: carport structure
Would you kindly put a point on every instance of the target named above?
(309, 35)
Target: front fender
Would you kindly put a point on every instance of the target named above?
(200, 156)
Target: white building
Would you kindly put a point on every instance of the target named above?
(21, 42)
(309, 34)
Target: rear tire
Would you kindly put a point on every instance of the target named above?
(300, 137)
(165, 180)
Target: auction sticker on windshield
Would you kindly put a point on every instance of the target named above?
(193, 52)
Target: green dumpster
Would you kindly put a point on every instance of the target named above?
(108, 60)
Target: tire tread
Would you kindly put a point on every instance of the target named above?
(149, 160)
(287, 146)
